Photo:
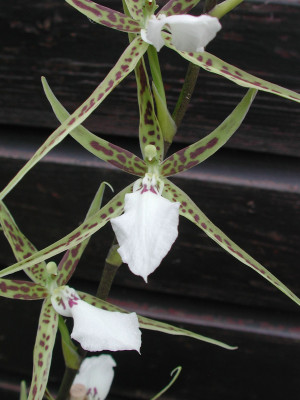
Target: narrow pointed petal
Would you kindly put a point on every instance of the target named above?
(217, 66)
(96, 374)
(190, 211)
(106, 151)
(69, 262)
(151, 324)
(43, 348)
(146, 231)
(135, 8)
(21, 246)
(196, 153)
(174, 7)
(123, 67)
(149, 129)
(112, 209)
(105, 16)
(22, 290)
(97, 329)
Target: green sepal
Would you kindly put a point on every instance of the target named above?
(71, 356)
(111, 210)
(69, 262)
(23, 391)
(197, 152)
(189, 210)
(106, 151)
(174, 7)
(136, 10)
(217, 66)
(123, 67)
(151, 324)
(149, 129)
(22, 290)
(223, 8)
(166, 122)
(42, 353)
(105, 16)
(21, 246)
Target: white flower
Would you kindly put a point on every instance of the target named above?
(97, 329)
(96, 374)
(189, 33)
(147, 229)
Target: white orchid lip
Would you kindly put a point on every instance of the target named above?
(97, 329)
(147, 229)
(189, 33)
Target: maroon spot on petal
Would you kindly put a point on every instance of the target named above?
(72, 121)
(201, 149)
(103, 216)
(196, 217)
(101, 148)
(121, 158)
(218, 237)
(209, 62)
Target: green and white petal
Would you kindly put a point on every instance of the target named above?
(196, 153)
(106, 151)
(123, 67)
(213, 64)
(175, 7)
(96, 374)
(105, 16)
(69, 262)
(149, 129)
(97, 329)
(190, 211)
(21, 246)
(42, 353)
(151, 324)
(22, 290)
(112, 209)
(146, 230)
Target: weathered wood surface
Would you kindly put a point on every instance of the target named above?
(52, 39)
(251, 190)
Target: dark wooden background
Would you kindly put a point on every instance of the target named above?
(250, 189)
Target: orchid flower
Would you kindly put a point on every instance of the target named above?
(47, 283)
(96, 375)
(153, 165)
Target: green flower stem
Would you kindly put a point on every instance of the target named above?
(66, 383)
(156, 72)
(223, 8)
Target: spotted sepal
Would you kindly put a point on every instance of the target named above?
(105, 16)
(135, 8)
(150, 324)
(189, 210)
(196, 153)
(101, 148)
(111, 210)
(22, 290)
(21, 246)
(69, 262)
(123, 67)
(213, 64)
(174, 7)
(42, 353)
(149, 130)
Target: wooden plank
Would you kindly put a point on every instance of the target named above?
(56, 41)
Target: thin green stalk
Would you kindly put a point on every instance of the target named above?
(223, 8)
(156, 72)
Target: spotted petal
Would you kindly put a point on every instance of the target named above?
(112, 209)
(105, 16)
(174, 7)
(69, 262)
(213, 64)
(123, 67)
(198, 152)
(146, 231)
(190, 211)
(135, 8)
(151, 324)
(43, 348)
(101, 148)
(149, 129)
(96, 374)
(97, 329)
(21, 246)
(22, 290)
